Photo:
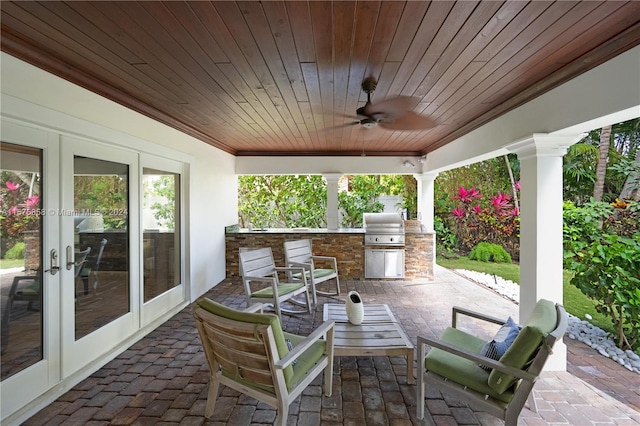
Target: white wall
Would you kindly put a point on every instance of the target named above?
(36, 97)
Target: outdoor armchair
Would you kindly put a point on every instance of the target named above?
(501, 386)
(317, 269)
(250, 353)
(262, 283)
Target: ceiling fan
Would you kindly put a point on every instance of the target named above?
(391, 113)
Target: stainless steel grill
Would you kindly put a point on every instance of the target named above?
(384, 245)
(383, 229)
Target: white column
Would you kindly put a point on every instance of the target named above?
(425, 198)
(332, 199)
(541, 226)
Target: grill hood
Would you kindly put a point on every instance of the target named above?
(383, 223)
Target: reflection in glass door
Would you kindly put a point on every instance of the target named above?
(101, 243)
(161, 232)
(21, 307)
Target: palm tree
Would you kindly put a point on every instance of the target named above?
(601, 168)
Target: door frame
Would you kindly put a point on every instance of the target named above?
(77, 354)
(45, 374)
(22, 395)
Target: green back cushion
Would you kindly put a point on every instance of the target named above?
(541, 322)
(252, 318)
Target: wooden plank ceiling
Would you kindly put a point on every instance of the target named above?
(272, 77)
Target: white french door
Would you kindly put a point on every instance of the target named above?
(103, 236)
(100, 306)
(73, 300)
(31, 295)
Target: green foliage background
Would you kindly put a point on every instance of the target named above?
(284, 201)
(289, 201)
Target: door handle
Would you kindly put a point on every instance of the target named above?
(70, 260)
(53, 255)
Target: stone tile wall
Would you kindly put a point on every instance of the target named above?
(347, 248)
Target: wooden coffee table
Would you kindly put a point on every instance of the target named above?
(380, 334)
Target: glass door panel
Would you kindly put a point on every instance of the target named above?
(161, 232)
(99, 303)
(21, 277)
(101, 243)
(30, 283)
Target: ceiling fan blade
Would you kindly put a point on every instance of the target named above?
(391, 107)
(340, 126)
(409, 121)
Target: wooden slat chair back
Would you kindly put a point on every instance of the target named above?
(262, 283)
(248, 352)
(318, 269)
(453, 363)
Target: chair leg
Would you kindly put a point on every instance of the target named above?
(420, 399)
(328, 378)
(337, 286)
(531, 401)
(276, 306)
(214, 384)
(314, 293)
(283, 413)
(420, 387)
(309, 300)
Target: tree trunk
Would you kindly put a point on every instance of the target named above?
(601, 170)
(631, 188)
(513, 183)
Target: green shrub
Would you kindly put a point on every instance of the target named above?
(489, 252)
(608, 270)
(15, 252)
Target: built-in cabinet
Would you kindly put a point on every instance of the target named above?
(384, 263)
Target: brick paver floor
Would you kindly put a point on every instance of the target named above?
(163, 378)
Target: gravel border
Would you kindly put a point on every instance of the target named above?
(581, 330)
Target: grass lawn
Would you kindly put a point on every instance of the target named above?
(11, 263)
(575, 302)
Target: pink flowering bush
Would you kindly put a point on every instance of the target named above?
(19, 211)
(498, 222)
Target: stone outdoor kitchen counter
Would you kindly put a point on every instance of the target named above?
(346, 245)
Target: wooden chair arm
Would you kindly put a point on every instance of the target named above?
(254, 308)
(305, 266)
(327, 259)
(292, 269)
(456, 350)
(267, 280)
(289, 269)
(17, 282)
(326, 328)
(463, 311)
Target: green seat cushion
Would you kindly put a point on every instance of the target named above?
(317, 273)
(307, 360)
(252, 318)
(283, 288)
(31, 289)
(460, 370)
(541, 322)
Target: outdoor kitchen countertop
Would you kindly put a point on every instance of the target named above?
(296, 231)
(308, 230)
